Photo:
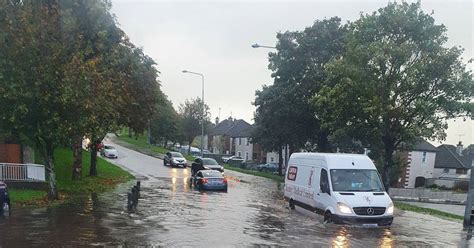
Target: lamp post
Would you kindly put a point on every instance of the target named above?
(256, 45)
(202, 110)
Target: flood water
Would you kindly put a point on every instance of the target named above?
(170, 213)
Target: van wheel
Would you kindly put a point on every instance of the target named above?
(328, 217)
(291, 204)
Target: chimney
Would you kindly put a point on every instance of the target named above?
(217, 120)
(459, 148)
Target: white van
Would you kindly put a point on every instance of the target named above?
(345, 188)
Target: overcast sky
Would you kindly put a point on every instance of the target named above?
(215, 38)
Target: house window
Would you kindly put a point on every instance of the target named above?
(423, 160)
(461, 171)
(248, 141)
(246, 156)
(272, 159)
(239, 154)
(240, 141)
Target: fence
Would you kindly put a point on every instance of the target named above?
(22, 172)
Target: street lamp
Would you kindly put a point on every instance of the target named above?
(256, 45)
(202, 99)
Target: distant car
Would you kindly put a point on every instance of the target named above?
(212, 164)
(210, 180)
(175, 159)
(271, 167)
(236, 158)
(108, 151)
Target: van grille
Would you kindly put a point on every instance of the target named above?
(369, 210)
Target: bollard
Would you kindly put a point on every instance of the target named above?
(135, 196)
(138, 188)
(129, 202)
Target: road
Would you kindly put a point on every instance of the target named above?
(171, 214)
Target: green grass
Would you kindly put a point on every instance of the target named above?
(27, 196)
(141, 142)
(108, 176)
(434, 212)
(255, 173)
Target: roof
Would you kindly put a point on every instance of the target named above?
(232, 128)
(423, 145)
(222, 127)
(447, 157)
(334, 160)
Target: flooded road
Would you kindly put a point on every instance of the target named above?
(171, 214)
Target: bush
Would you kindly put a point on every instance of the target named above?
(462, 186)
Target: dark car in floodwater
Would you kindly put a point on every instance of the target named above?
(212, 164)
(210, 180)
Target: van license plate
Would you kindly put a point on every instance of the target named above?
(370, 225)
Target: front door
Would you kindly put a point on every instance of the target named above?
(322, 199)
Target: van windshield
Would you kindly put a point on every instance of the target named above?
(355, 180)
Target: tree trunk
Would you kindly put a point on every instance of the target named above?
(189, 147)
(93, 167)
(387, 166)
(129, 132)
(280, 161)
(47, 151)
(77, 160)
(323, 142)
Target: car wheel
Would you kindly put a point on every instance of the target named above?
(291, 203)
(328, 217)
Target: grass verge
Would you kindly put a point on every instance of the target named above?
(255, 173)
(108, 176)
(141, 142)
(434, 212)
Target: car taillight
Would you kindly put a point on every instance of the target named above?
(204, 180)
(224, 181)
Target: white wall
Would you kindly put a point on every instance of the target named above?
(245, 148)
(419, 167)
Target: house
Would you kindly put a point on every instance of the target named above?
(453, 161)
(419, 164)
(443, 164)
(233, 137)
(219, 140)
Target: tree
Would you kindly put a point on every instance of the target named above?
(395, 82)
(192, 114)
(165, 124)
(284, 112)
(31, 93)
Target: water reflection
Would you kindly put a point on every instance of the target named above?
(386, 240)
(340, 238)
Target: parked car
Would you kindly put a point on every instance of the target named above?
(212, 164)
(236, 158)
(108, 151)
(209, 180)
(271, 167)
(175, 159)
(345, 188)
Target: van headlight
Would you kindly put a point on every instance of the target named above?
(343, 208)
(390, 208)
